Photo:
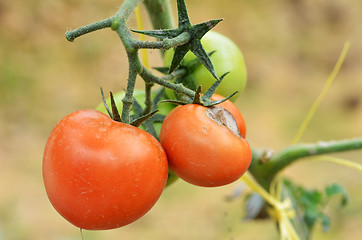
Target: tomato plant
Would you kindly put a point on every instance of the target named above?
(202, 151)
(226, 58)
(102, 174)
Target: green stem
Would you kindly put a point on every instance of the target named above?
(264, 168)
(179, 88)
(292, 153)
(71, 35)
(164, 44)
(134, 68)
(160, 13)
(148, 97)
(127, 8)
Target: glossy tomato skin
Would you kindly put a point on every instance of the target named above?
(228, 105)
(200, 151)
(102, 174)
(226, 58)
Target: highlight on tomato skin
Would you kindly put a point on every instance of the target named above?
(201, 151)
(101, 174)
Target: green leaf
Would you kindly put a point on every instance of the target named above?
(336, 189)
(312, 202)
(310, 216)
(298, 221)
(326, 222)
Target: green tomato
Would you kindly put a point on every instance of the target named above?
(139, 95)
(226, 58)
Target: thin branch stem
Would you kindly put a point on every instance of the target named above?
(179, 88)
(148, 97)
(71, 35)
(134, 66)
(164, 44)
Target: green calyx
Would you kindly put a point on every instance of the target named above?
(194, 33)
(140, 116)
(205, 99)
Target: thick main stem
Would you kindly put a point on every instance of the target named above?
(160, 13)
(264, 168)
(292, 153)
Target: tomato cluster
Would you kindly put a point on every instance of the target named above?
(102, 174)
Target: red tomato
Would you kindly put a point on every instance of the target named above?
(202, 151)
(102, 174)
(228, 105)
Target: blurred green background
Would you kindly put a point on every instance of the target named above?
(290, 47)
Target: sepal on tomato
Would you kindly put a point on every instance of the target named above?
(204, 99)
(195, 32)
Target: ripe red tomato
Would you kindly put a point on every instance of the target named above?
(202, 151)
(102, 174)
(228, 105)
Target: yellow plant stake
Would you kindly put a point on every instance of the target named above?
(140, 26)
(340, 161)
(278, 181)
(321, 96)
(282, 211)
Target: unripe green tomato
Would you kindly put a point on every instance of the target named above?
(139, 95)
(226, 58)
